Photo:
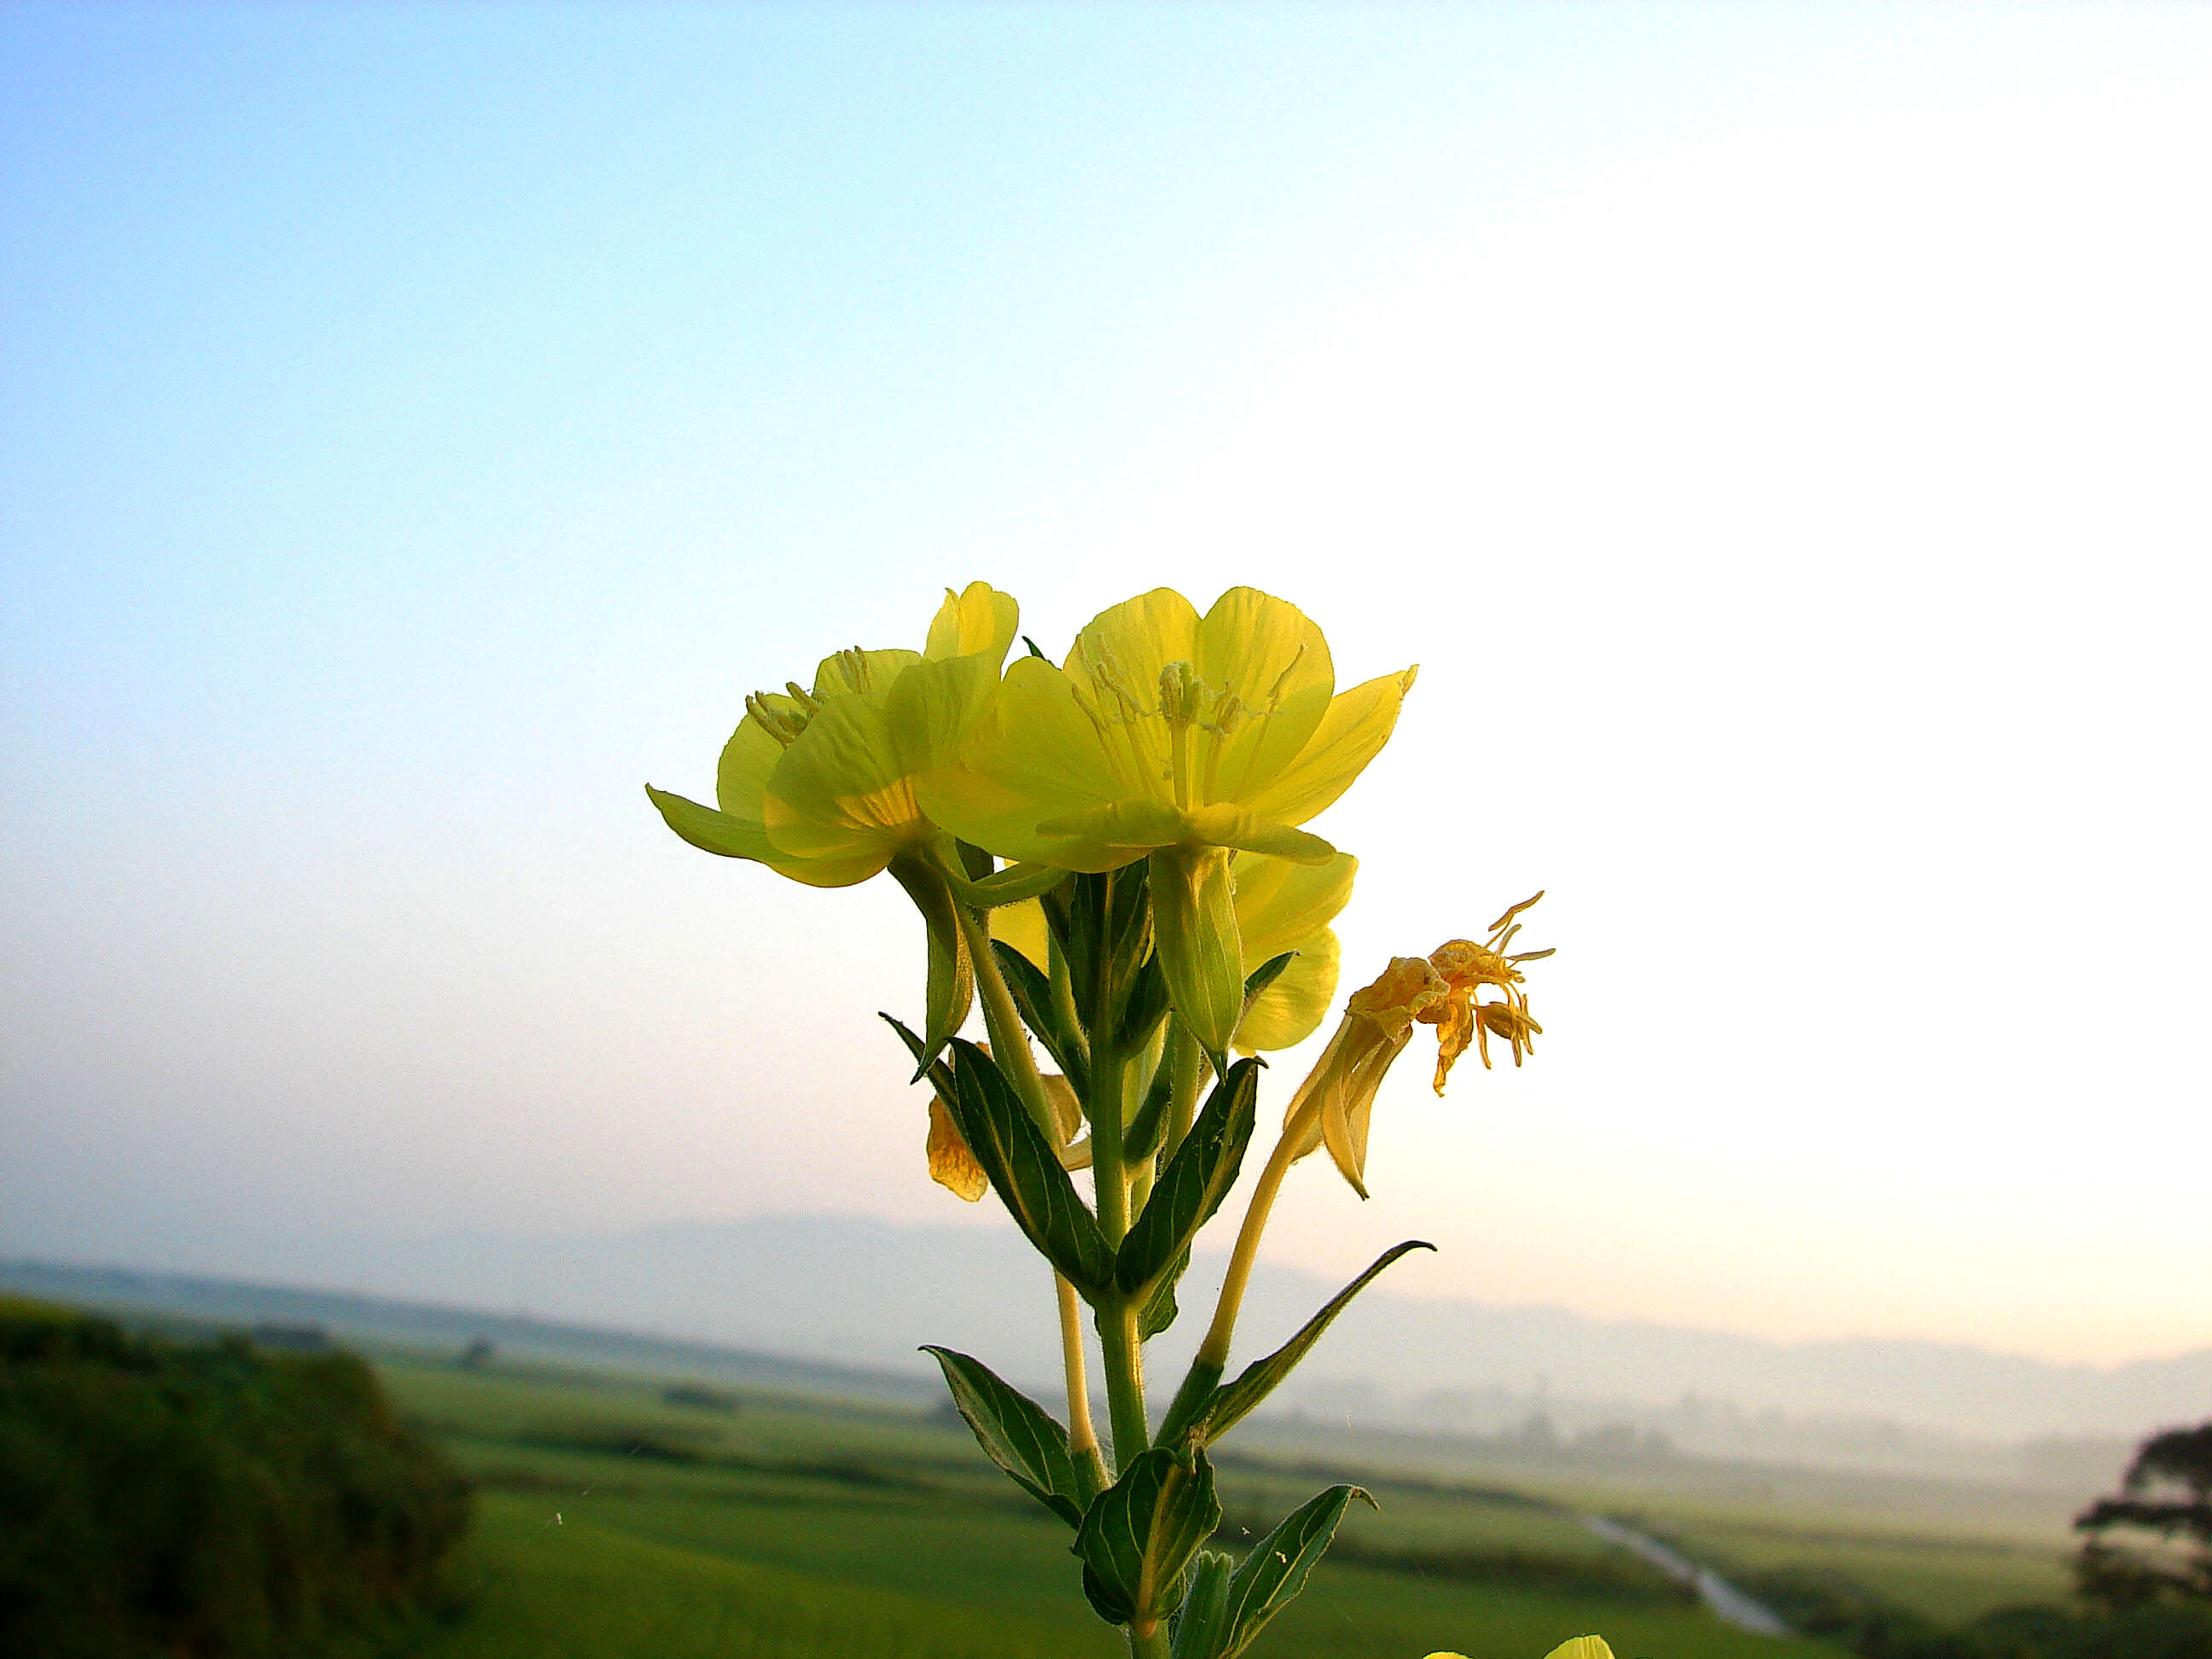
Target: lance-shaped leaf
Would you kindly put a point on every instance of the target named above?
(1015, 1433)
(1032, 993)
(1229, 1403)
(1194, 1183)
(1277, 1569)
(1159, 1310)
(952, 984)
(1266, 974)
(1026, 1172)
(1146, 1007)
(1140, 1533)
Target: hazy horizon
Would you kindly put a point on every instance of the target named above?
(1778, 434)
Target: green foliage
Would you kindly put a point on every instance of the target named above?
(1140, 1533)
(1196, 1182)
(1275, 1572)
(1202, 1418)
(1015, 1433)
(186, 1500)
(2165, 1494)
(1026, 1172)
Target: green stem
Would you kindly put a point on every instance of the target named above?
(1082, 1439)
(1214, 1350)
(1010, 1042)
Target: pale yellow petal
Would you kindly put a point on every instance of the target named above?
(1022, 926)
(978, 620)
(1032, 755)
(1280, 903)
(1114, 671)
(840, 792)
(741, 779)
(1269, 654)
(932, 707)
(863, 673)
(1582, 1647)
(1359, 723)
(1292, 1006)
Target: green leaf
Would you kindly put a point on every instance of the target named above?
(1140, 1136)
(1032, 645)
(1032, 993)
(1194, 1183)
(1015, 1433)
(1277, 1569)
(1232, 1401)
(951, 973)
(1140, 1533)
(939, 1074)
(1159, 1310)
(1199, 1627)
(1026, 1173)
(1146, 1007)
(1266, 974)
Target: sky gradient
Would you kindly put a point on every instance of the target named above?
(1779, 434)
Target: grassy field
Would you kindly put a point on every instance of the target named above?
(613, 1522)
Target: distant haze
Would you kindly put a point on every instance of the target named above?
(1778, 433)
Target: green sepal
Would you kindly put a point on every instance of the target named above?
(1159, 1310)
(1011, 886)
(1231, 1402)
(1266, 974)
(1277, 1570)
(939, 1074)
(1032, 994)
(951, 992)
(1146, 1007)
(1105, 925)
(1140, 1533)
(1200, 951)
(1195, 1182)
(1199, 1626)
(1026, 1173)
(1014, 1432)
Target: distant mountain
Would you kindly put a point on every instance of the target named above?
(862, 1295)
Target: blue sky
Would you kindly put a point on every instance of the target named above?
(1777, 432)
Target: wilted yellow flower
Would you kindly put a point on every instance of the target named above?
(818, 784)
(1467, 967)
(1333, 1105)
(1174, 737)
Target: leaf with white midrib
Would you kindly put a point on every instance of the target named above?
(1015, 1433)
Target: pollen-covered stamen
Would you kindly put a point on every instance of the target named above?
(781, 724)
(854, 666)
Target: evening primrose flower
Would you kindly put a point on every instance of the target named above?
(1333, 1105)
(818, 784)
(1579, 1647)
(1173, 738)
(1280, 907)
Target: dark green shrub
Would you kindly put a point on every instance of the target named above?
(204, 1501)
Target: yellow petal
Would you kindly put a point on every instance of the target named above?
(931, 707)
(1280, 904)
(1270, 654)
(978, 620)
(741, 780)
(1292, 1007)
(1022, 926)
(1359, 723)
(1032, 755)
(952, 1165)
(857, 673)
(1582, 1647)
(840, 790)
(1114, 671)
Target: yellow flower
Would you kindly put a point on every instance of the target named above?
(1580, 1647)
(1171, 736)
(1333, 1107)
(818, 784)
(1280, 907)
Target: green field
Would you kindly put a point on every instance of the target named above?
(612, 1522)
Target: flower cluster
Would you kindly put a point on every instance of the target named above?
(1111, 855)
